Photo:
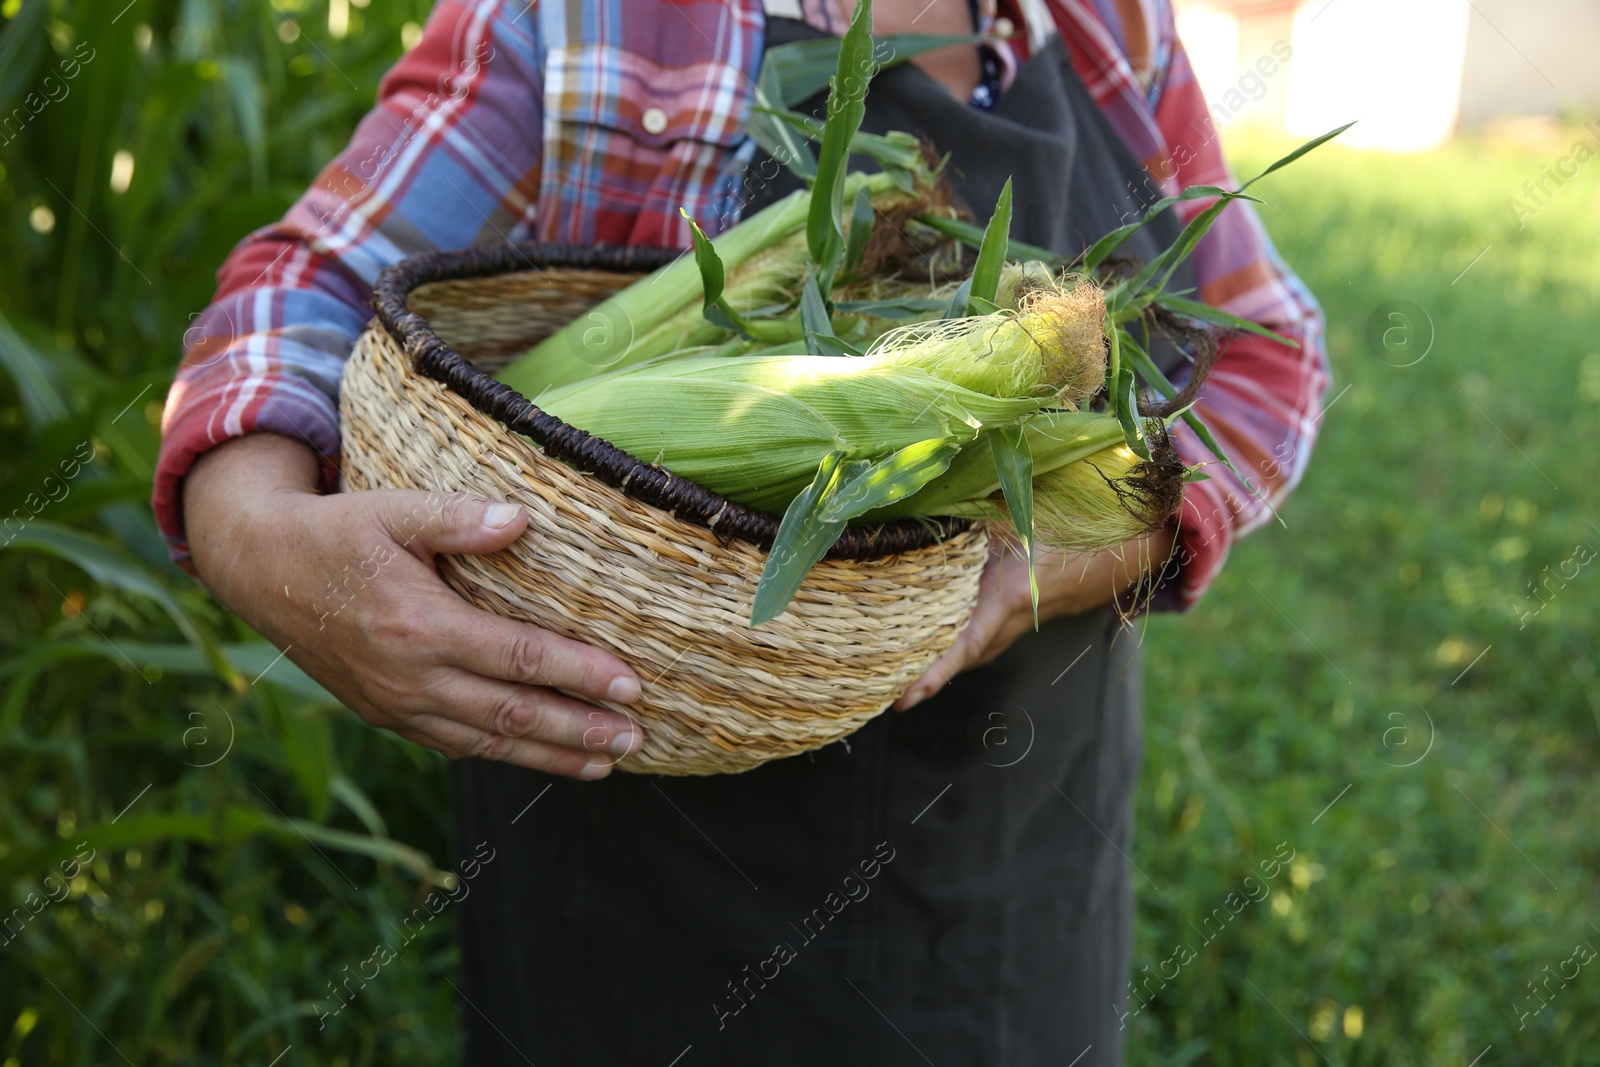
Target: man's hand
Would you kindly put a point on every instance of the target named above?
(1068, 585)
(346, 585)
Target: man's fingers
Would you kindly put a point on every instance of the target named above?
(968, 648)
(459, 740)
(426, 523)
(527, 712)
(934, 678)
(517, 652)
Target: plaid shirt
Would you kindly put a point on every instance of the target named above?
(512, 122)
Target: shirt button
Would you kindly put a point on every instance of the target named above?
(655, 120)
(1003, 27)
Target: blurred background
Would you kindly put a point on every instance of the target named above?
(1397, 686)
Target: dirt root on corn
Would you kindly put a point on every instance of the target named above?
(1152, 490)
(899, 245)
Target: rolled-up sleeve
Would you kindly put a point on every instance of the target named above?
(448, 158)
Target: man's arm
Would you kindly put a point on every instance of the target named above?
(448, 158)
(398, 646)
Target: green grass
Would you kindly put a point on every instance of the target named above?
(208, 925)
(1428, 895)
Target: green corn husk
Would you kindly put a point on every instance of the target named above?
(1104, 500)
(1020, 278)
(869, 309)
(765, 259)
(756, 428)
(770, 276)
(1051, 343)
(625, 327)
(1054, 438)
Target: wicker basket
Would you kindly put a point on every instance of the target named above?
(621, 554)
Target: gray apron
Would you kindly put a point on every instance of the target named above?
(948, 885)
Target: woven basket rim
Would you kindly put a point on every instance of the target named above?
(647, 483)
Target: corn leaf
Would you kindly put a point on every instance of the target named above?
(1169, 261)
(113, 567)
(715, 308)
(1130, 292)
(1113, 335)
(1315, 142)
(972, 237)
(1055, 438)
(706, 258)
(847, 96)
(1204, 433)
(893, 149)
(352, 796)
(897, 152)
(867, 485)
(255, 660)
(20, 50)
(379, 849)
(1126, 391)
(904, 307)
(305, 742)
(819, 336)
(778, 138)
(1194, 309)
(1152, 374)
(231, 825)
(1113, 240)
(1102, 248)
(842, 490)
(804, 537)
(860, 231)
(33, 373)
(960, 301)
(1187, 240)
(242, 1039)
(802, 68)
(250, 113)
(1013, 464)
(1122, 397)
(985, 281)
